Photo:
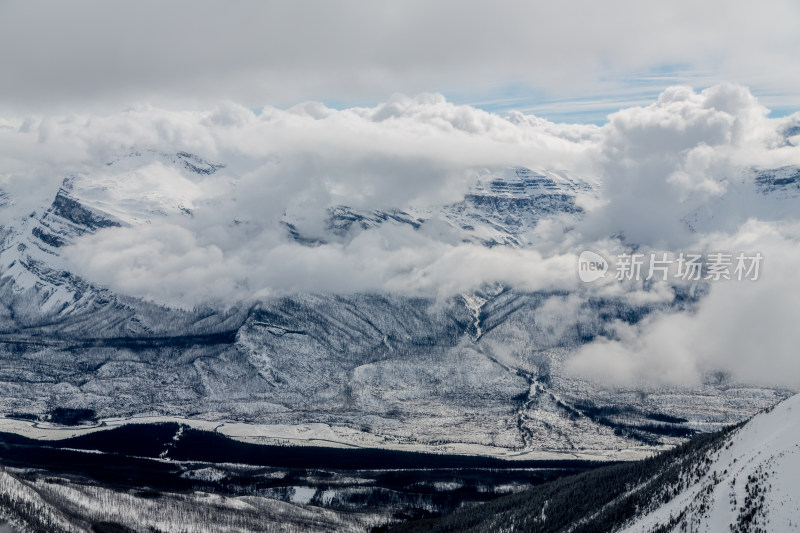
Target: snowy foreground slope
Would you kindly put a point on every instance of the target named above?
(751, 484)
(744, 479)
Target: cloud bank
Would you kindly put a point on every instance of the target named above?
(747, 329)
(674, 175)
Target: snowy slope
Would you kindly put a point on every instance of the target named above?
(751, 484)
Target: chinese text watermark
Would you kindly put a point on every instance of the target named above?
(663, 266)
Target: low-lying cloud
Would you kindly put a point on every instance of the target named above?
(674, 175)
(746, 328)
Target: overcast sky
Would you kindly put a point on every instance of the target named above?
(573, 60)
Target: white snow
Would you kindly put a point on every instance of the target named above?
(319, 434)
(303, 495)
(762, 456)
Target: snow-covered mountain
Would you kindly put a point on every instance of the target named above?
(131, 190)
(501, 208)
(382, 369)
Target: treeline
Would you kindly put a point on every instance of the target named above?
(628, 421)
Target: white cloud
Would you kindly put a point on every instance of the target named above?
(168, 263)
(747, 328)
(407, 152)
(662, 161)
(657, 163)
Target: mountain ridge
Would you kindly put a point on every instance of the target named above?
(488, 365)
